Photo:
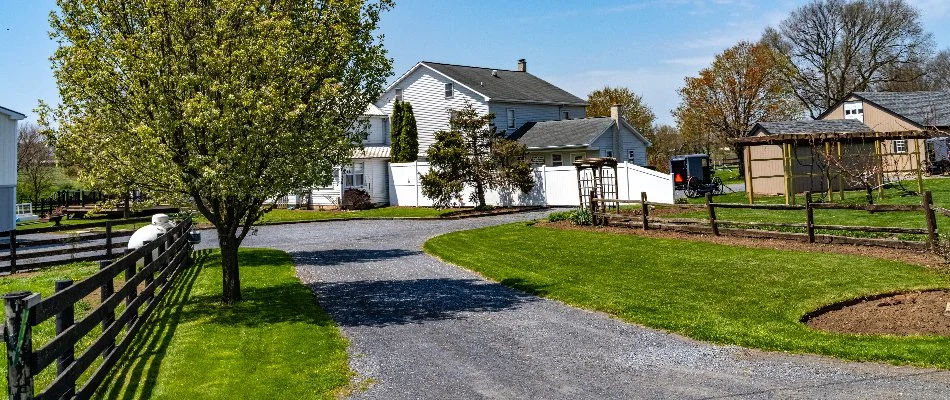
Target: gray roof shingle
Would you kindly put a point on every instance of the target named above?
(514, 86)
(923, 108)
(816, 126)
(566, 133)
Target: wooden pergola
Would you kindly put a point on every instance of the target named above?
(834, 144)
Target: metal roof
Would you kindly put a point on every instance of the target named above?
(372, 151)
(557, 134)
(372, 110)
(805, 127)
(507, 86)
(12, 114)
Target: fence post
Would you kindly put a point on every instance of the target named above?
(13, 251)
(712, 214)
(645, 210)
(146, 261)
(18, 335)
(64, 320)
(810, 217)
(109, 239)
(106, 291)
(927, 202)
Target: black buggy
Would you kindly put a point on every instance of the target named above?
(693, 174)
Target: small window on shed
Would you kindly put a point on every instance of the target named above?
(900, 146)
(449, 91)
(631, 156)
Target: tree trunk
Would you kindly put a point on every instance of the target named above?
(480, 194)
(230, 274)
(741, 156)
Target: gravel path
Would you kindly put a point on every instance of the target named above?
(422, 329)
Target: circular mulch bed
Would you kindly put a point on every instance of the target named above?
(916, 313)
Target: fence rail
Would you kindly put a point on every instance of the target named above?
(81, 246)
(754, 229)
(156, 265)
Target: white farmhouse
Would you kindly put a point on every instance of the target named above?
(8, 143)
(547, 119)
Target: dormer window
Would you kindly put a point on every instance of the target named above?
(398, 94)
(449, 91)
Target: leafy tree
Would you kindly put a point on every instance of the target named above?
(741, 87)
(395, 132)
(635, 111)
(667, 142)
(34, 163)
(410, 135)
(473, 153)
(223, 103)
(835, 47)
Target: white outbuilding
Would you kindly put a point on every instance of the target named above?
(8, 143)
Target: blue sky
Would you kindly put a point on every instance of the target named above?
(646, 45)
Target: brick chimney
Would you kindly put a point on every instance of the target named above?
(522, 65)
(616, 111)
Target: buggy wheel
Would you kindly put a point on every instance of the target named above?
(718, 186)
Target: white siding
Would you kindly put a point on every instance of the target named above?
(631, 142)
(375, 182)
(425, 90)
(530, 113)
(377, 131)
(8, 141)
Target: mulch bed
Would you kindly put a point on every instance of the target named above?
(494, 211)
(917, 313)
(900, 314)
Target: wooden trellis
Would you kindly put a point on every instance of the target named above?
(597, 178)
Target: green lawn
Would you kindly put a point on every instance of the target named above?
(940, 188)
(277, 343)
(717, 293)
(729, 175)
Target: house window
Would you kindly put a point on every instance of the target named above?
(511, 118)
(631, 156)
(449, 91)
(565, 115)
(537, 161)
(353, 175)
(556, 160)
(900, 146)
(398, 94)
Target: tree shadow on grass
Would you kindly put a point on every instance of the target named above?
(398, 302)
(140, 365)
(326, 258)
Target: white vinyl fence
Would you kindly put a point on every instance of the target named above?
(554, 186)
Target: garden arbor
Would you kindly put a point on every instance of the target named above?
(829, 162)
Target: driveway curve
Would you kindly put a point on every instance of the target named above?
(420, 328)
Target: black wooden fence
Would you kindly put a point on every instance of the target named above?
(155, 265)
(31, 249)
(766, 229)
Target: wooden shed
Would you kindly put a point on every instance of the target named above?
(785, 158)
(8, 143)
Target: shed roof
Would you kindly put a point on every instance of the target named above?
(805, 127)
(372, 110)
(922, 108)
(506, 85)
(558, 134)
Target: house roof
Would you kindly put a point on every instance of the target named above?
(505, 85)
(372, 151)
(558, 134)
(372, 110)
(12, 114)
(805, 127)
(922, 108)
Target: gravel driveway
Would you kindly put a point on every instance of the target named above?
(423, 329)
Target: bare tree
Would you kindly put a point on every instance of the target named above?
(35, 166)
(835, 47)
(667, 142)
(932, 74)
